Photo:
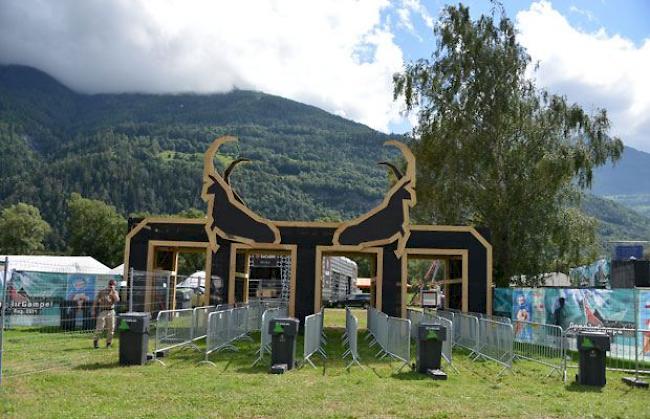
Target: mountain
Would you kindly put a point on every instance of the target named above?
(627, 181)
(144, 153)
(617, 222)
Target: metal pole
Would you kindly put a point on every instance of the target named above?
(2, 312)
(131, 290)
(636, 335)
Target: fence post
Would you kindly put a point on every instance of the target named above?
(2, 312)
(636, 335)
(130, 290)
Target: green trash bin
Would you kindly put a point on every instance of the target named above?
(429, 347)
(592, 347)
(134, 337)
(283, 344)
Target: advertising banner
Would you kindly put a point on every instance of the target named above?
(42, 298)
(595, 275)
(573, 306)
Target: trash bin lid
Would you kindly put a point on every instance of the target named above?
(284, 326)
(430, 331)
(592, 339)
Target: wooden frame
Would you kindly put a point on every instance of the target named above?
(151, 257)
(482, 240)
(341, 251)
(463, 253)
(267, 249)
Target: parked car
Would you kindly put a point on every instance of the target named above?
(358, 300)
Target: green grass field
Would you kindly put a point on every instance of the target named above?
(89, 383)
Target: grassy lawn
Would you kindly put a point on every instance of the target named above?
(90, 383)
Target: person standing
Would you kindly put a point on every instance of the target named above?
(104, 311)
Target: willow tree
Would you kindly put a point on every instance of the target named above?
(497, 151)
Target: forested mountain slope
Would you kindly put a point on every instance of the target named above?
(144, 153)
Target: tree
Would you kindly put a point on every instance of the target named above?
(95, 229)
(494, 150)
(22, 230)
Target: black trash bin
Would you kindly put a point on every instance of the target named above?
(283, 344)
(429, 348)
(134, 338)
(592, 346)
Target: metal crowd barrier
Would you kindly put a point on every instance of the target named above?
(399, 340)
(265, 336)
(313, 336)
(540, 343)
(392, 334)
(255, 311)
(351, 329)
(224, 328)
(415, 316)
(200, 321)
(496, 342)
(174, 328)
(466, 332)
(323, 337)
(500, 319)
(627, 352)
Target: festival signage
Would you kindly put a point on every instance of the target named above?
(37, 298)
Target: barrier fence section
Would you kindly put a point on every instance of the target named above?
(224, 328)
(200, 320)
(496, 342)
(466, 332)
(399, 340)
(415, 316)
(392, 334)
(351, 342)
(500, 319)
(265, 336)
(323, 337)
(627, 352)
(174, 328)
(379, 331)
(313, 336)
(540, 343)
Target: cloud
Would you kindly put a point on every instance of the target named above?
(337, 55)
(597, 70)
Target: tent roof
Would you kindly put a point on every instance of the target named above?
(60, 264)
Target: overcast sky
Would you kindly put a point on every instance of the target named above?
(337, 55)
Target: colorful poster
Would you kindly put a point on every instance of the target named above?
(41, 298)
(80, 289)
(502, 302)
(590, 307)
(522, 311)
(595, 275)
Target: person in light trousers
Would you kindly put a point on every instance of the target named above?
(104, 311)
